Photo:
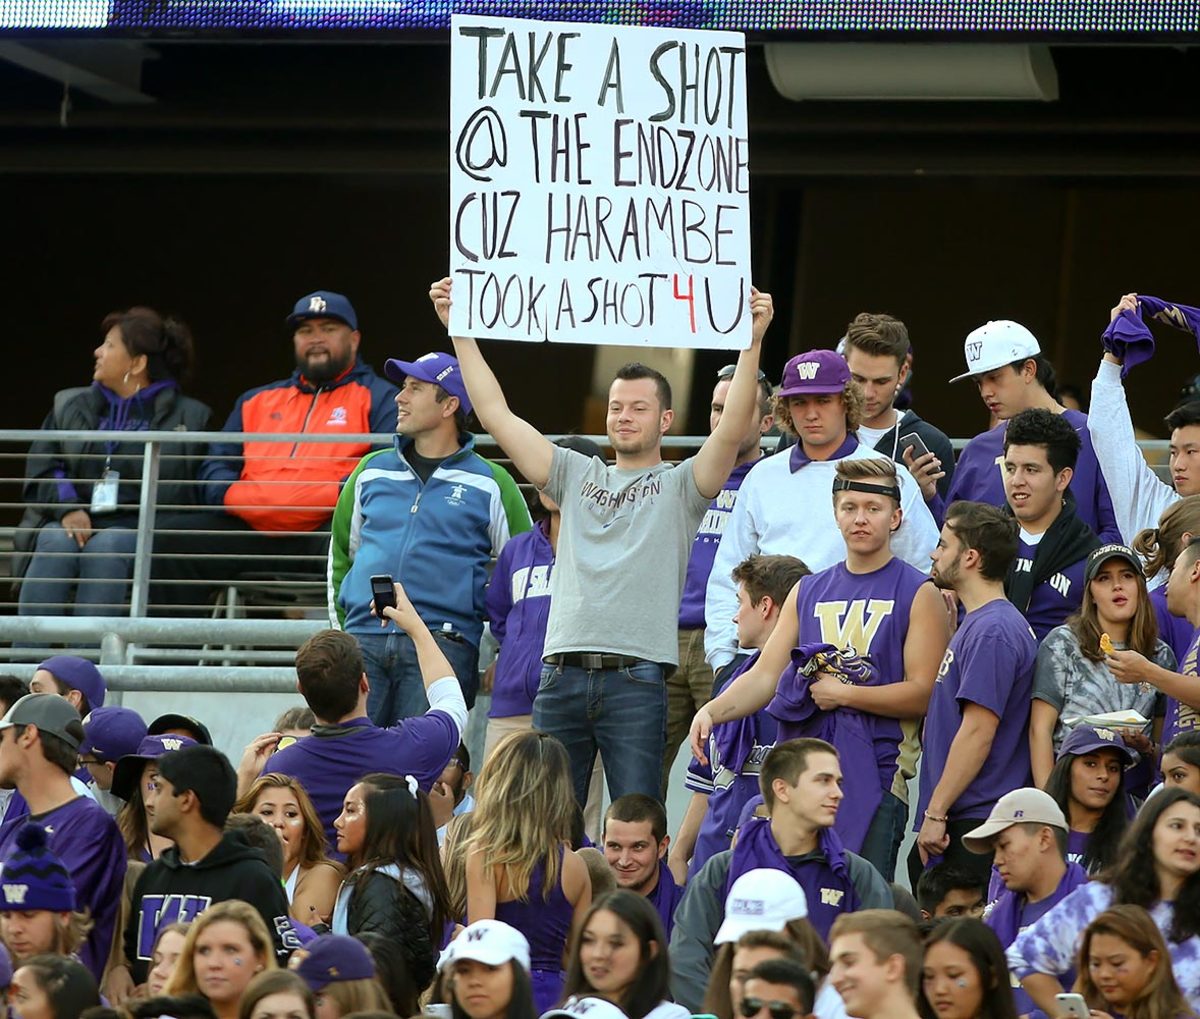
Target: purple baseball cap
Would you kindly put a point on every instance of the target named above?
(334, 958)
(112, 733)
(814, 371)
(1087, 739)
(78, 674)
(436, 367)
(128, 771)
(323, 304)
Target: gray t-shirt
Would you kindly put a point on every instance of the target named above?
(1077, 687)
(623, 549)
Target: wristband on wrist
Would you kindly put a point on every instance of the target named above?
(935, 817)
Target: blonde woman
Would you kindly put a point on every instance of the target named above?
(519, 865)
(310, 878)
(226, 947)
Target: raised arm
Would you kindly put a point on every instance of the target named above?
(714, 462)
(530, 451)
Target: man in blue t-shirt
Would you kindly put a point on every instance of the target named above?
(976, 743)
(1045, 581)
(345, 745)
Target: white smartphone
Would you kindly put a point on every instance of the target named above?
(1073, 1005)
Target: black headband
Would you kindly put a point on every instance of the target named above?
(841, 485)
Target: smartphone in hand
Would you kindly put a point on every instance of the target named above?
(383, 593)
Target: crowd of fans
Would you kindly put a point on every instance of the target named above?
(1014, 630)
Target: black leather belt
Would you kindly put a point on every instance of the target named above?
(593, 660)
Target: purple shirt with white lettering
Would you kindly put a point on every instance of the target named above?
(868, 612)
(1177, 633)
(728, 788)
(1054, 598)
(704, 548)
(328, 765)
(978, 477)
(989, 663)
(518, 605)
(87, 840)
(1180, 718)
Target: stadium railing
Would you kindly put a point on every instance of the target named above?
(233, 634)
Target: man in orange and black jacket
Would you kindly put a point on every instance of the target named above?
(280, 495)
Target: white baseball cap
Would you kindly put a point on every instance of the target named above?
(593, 1008)
(492, 942)
(761, 900)
(1021, 806)
(996, 344)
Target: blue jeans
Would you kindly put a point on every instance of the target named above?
(99, 573)
(881, 845)
(620, 712)
(397, 690)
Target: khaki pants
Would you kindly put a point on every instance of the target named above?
(498, 728)
(689, 688)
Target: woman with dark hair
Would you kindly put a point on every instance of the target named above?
(395, 886)
(310, 877)
(487, 973)
(1088, 784)
(279, 994)
(1157, 868)
(621, 956)
(52, 987)
(1181, 762)
(79, 528)
(1072, 678)
(1125, 970)
(964, 975)
(393, 972)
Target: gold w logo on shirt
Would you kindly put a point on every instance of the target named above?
(854, 623)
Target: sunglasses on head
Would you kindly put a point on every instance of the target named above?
(729, 369)
(750, 1007)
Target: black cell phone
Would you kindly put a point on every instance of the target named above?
(383, 593)
(918, 447)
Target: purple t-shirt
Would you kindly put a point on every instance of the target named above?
(1054, 598)
(518, 605)
(868, 612)
(704, 548)
(729, 788)
(87, 840)
(329, 764)
(990, 663)
(1175, 632)
(978, 476)
(1180, 718)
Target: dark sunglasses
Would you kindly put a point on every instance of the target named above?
(750, 1007)
(729, 369)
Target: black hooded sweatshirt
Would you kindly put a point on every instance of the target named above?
(170, 890)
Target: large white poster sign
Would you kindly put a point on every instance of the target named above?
(599, 184)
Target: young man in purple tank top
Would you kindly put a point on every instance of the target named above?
(976, 739)
(877, 606)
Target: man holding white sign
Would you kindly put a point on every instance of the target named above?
(623, 549)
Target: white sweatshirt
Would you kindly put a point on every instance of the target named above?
(779, 512)
(1138, 495)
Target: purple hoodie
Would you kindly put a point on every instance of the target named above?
(704, 548)
(977, 477)
(518, 605)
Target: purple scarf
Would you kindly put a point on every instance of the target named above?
(1129, 338)
(1005, 916)
(849, 731)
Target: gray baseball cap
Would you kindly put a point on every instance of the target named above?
(50, 713)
